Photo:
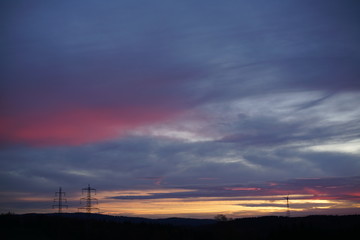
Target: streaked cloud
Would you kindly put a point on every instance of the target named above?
(217, 98)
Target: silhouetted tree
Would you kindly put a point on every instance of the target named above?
(221, 218)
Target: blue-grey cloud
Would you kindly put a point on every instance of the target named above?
(344, 188)
(266, 81)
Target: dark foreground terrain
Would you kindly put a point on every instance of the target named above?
(82, 226)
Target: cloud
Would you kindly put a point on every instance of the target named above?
(132, 95)
(342, 188)
(139, 163)
(121, 63)
(78, 126)
(132, 163)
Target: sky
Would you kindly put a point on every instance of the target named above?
(181, 108)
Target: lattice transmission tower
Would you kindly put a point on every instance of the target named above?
(60, 200)
(88, 200)
(287, 206)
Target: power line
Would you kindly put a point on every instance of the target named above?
(59, 200)
(88, 200)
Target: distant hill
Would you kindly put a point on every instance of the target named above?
(122, 219)
(97, 226)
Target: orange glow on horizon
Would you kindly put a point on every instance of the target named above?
(197, 207)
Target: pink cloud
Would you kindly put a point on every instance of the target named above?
(243, 189)
(157, 180)
(76, 126)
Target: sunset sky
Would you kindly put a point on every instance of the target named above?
(184, 108)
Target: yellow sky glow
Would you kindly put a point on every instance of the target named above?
(197, 207)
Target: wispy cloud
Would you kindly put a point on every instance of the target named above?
(133, 94)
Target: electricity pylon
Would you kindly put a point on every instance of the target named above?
(88, 200)
(59, 200)
(287, 206)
